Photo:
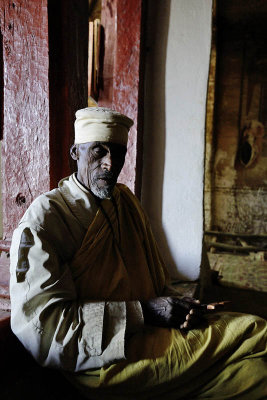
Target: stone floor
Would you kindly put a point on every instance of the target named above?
(243, 271)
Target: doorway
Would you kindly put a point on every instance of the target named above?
(236, 144)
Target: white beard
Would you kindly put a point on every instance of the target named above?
(103, 192)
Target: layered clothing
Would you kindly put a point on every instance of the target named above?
(79, 270)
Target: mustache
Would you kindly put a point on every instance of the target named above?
(109, 175)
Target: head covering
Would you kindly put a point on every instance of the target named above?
(99, 124)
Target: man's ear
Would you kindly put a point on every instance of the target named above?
(74, 152)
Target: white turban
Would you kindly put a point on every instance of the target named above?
(99, 124)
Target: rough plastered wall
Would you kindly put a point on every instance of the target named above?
(177, 64)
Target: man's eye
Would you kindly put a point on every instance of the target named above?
(98, 151)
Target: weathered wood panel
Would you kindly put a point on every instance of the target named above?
(123, 76)
(45, 81)
(25, 149)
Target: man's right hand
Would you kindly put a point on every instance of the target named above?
(172, 312)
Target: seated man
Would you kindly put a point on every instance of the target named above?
(90, 295)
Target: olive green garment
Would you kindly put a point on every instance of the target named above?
(223, 359)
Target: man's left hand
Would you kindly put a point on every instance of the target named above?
(172, 312)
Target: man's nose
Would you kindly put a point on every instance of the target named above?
(107, 162)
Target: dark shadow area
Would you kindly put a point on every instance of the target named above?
(241, 300)
(22, 378)
(68, 59)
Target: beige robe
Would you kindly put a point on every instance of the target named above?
(71, 312)
(56, 311)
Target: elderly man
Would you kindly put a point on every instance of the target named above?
(90, 294)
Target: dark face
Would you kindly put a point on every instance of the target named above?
(99, 165)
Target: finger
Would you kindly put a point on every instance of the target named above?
(184, 325)
(196, 312)
(192, 321)
(193, 314)
(217, 306)
(211, 307)
(191, 300)
(186, 303)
